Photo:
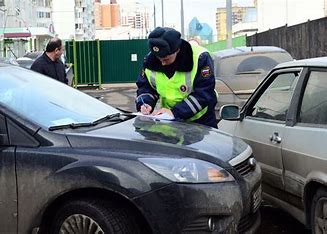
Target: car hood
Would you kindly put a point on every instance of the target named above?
(172, 138)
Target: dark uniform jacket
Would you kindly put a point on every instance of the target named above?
(54, 69)
(203, 86)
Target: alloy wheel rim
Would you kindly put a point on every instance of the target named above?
(321, 216)
(78, 223)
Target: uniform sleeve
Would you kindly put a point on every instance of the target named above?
(203, 94)
(145, 93)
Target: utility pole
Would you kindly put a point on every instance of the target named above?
(229, 24)
(182, 19)
(162, 14)
(154, 15)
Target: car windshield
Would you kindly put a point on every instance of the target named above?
(46, 101)
(250, 63)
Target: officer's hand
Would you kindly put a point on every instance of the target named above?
(164, 110)
(146, 109)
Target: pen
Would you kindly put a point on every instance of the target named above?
(143, 103)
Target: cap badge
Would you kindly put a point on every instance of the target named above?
(155, 49)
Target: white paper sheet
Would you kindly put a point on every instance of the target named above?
(163, 116)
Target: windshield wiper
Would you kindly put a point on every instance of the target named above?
(105, 118)
(89, 124)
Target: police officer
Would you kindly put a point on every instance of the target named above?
(180, 75)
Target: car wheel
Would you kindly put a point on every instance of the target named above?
(86, 216)
(319, 212)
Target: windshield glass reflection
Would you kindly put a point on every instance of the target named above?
(46, 101)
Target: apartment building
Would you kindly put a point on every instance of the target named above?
(26, 25)
(106, 15)
(221, 18)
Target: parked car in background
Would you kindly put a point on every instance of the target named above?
(33, 55)
(73, 164)
(28, 59)
(285, 122)
(25, 62)
(240, 70)
(8, 61)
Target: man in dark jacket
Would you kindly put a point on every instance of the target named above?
(180, 75)
(49, 62)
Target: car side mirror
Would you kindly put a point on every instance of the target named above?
(230, 112)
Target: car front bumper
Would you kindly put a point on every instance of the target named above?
(203, 208)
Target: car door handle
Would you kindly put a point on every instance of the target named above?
(275, 138)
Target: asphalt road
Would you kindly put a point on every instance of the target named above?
(273, 221)
(276, 221)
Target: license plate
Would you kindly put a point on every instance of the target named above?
(256, 199)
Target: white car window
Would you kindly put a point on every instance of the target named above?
(275, 101)
(314, 102)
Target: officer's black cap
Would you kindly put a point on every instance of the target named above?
(164, 41)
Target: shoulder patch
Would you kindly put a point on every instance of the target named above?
(142, 73)
(206, 72)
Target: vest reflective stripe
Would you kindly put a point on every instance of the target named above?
(178, 87)
(189, 82)
(153, 79)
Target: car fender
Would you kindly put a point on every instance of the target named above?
(314, 180)
(113, 176)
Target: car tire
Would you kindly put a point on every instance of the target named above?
(87, 216)
(319, 212)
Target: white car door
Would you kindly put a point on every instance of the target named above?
(304, 146)
(263, 125)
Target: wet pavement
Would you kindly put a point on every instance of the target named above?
(121, 96)
(273, 220)
(276, 221)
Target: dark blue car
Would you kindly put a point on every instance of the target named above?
(73, 164)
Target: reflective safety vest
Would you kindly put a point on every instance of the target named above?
(178, 87)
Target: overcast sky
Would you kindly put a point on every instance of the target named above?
(204, 10)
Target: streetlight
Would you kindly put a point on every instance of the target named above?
(162, 14)
(182, 19)
(229, 23)
(154, 15)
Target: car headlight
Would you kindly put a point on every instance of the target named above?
(187, 170)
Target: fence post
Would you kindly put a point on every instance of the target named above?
(75, 64)
(99, 64)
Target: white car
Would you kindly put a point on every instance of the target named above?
(285, 123)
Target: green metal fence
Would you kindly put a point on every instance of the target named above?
(115, 61)
(122, 60)
(85, 55)
(97, 62)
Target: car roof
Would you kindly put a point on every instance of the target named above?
(33, 55)
(311, 62)
(3, 64)
(247, 50)
(24, 59)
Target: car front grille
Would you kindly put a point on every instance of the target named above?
(244, 168)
